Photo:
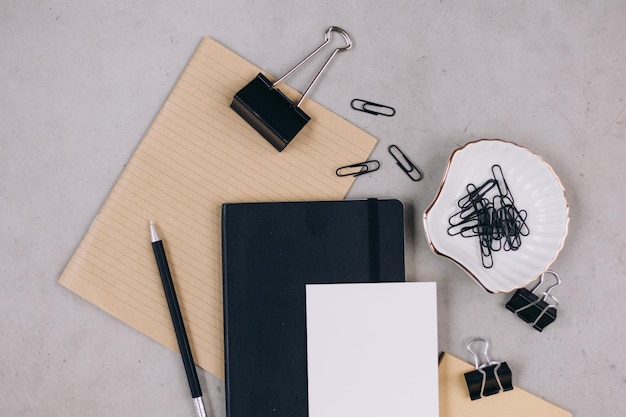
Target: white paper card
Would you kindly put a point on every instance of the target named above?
(372, 350)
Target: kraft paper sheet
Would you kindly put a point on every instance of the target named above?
(198, 154)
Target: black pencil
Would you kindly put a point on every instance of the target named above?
(177, 320)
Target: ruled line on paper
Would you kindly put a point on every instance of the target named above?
(131, 290)
(276, 173)
(147, 311)
(338, 141)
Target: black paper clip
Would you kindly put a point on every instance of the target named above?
(405, 163)
(372, 108)
(358, 169)
(490, 377)
(539, 309)
(269, 111)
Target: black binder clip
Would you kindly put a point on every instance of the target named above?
(269, 111)
(490, 377)
(539, 309)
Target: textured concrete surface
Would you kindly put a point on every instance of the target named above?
(80, 83)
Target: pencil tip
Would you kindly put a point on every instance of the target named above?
(153, 232)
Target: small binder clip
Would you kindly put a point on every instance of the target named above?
(405, 163)
(372, 108)
(358, 169)
(490, 377)
(539, 309)
(269, 111)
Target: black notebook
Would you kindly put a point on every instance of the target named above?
(270, 251)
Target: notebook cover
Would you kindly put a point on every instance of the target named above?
(454, 399)
(270, 251)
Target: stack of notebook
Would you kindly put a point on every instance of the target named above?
(312, 316)
(197, 156)
(274, 254)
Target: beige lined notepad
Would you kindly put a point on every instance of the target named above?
(198, 154)
(454, 399)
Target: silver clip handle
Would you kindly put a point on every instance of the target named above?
(326, 40)
(477, 364)
(551, 287)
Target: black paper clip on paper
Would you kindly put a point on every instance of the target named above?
(372, 108)
(358, 169)
(539, 309)
(490, 377)
(409, 168)
(269, 111)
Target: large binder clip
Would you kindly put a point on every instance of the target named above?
(537, 309)
(269, 111)
(490, 377)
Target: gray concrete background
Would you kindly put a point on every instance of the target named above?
(80, 83)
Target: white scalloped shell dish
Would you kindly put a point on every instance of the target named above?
(535, 188)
